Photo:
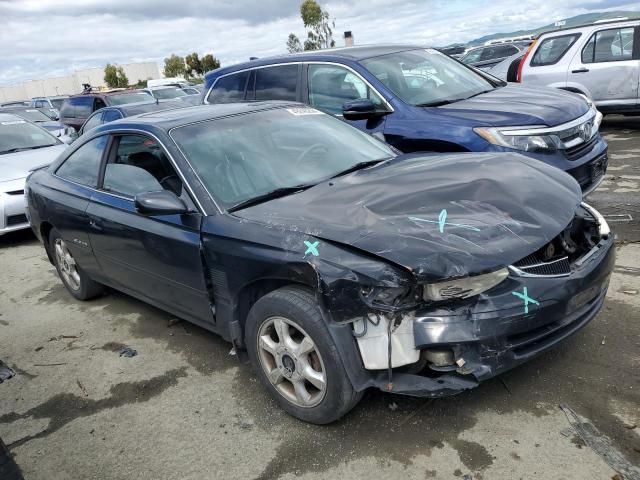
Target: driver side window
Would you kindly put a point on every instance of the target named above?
(139, 165)
(330, 87)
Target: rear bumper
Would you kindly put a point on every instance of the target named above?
(494, 334)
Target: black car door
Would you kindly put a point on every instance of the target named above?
(70, 190)
(156, 258)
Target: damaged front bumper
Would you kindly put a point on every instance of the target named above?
(508, 325)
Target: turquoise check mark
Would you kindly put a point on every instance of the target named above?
(312, 248)
(526, 298)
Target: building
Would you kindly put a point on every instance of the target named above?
(72, 84)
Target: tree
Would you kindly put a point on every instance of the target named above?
(194, 65)
(174, 66)
(209, 62)
(293, 44)
(115, 77)
(320, 34)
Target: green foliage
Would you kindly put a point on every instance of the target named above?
(320, 25)
(209, 62)
(115, 77)
(293, 44)
(194, 65)
(174, 66)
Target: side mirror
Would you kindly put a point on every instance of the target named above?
(163, 202)
(362, 109)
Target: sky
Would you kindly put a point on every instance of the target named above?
(46, 38)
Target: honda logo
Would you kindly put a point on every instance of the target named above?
(584, 131)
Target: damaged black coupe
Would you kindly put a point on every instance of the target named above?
(333, 262)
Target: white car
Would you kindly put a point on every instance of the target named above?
(24, 147)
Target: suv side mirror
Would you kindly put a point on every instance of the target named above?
(163, 202)
(362, 109)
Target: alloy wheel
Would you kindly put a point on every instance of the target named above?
(292, 362)
(66, 264)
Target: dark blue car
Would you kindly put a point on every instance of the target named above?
(422, 100)
(336, 264)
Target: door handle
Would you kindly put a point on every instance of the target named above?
(95, 224)
(580, 70)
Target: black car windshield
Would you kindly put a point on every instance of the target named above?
(124, 98)
(18, 135)
(33, 115)
(426, 77)
(166, 93)
(245, 156)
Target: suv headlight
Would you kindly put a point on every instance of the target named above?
(464, 287)
(510, 138)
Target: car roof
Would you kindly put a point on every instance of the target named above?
(590, 26)
(106, 94)
(167, 119)
(9, 117)
(355, 53)
(137, 108)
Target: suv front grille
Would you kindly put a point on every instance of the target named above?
(581, 150)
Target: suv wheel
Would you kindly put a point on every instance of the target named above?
(291, 348)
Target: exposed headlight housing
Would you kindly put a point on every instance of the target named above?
(464, 287)
(389, 299)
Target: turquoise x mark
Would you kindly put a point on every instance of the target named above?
(526, 298)
(312, 248)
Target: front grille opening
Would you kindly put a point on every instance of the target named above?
(16, 220)
(581, 149)
(557, 256)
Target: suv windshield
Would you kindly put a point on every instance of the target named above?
(240, 158)
(122, 98)
(426, 77)
(18, 135)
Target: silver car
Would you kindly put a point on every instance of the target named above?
(23, 147)
(598, 60)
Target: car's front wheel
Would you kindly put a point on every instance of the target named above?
(77, 282)
(295, 357)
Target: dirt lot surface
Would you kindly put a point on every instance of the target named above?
(183, 408)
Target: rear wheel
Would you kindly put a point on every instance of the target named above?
(295, 357)
(76, 281)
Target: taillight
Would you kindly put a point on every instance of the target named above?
(524, 59)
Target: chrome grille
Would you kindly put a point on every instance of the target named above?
(581, 149)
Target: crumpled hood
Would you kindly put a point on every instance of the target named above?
(515, 105)
(438, 216)
(19, 164)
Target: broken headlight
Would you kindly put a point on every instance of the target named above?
(389, 298)
(464, 287)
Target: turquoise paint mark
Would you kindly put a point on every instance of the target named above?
(442, 219)
(441, 222)
(526, 299)
(312, 248)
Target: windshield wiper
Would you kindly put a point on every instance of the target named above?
(22, 149)
(270, 195)
(359, 166)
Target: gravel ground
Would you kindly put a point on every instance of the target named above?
(183, 408)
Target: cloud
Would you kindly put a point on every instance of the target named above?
(42, 38)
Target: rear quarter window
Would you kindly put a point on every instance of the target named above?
(229, 89)
(552, 49)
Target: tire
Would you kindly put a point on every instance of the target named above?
(283, 364)
(75, 280)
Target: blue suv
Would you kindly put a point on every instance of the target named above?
(421, 100)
